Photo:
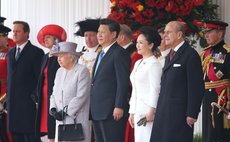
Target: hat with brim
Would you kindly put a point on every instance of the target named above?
(2, 19)
(65, 47)
(53, 30)
(87, 25)
(4, 29)
(214, 24)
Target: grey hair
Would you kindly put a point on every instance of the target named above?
(125, 30)
(179, 27)
(56, 40)
(74, 58)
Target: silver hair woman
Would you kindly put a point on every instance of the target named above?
(71, 89)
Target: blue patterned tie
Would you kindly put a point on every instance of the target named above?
(101, 55)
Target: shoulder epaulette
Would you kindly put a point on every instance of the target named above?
(203, 51)
(99, 48)
(227, 47)
(3, 48)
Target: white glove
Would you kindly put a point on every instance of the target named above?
(228, 116)
(1, 107)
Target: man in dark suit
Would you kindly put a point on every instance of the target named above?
(125, 40)
(110, 85)
(24, 63)
(182, 89)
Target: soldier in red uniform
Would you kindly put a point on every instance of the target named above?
(216, 68)
(4, 135)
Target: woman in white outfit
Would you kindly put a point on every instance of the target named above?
(71, 88)
(145, 79)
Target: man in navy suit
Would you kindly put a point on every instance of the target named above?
(182, 89)
(110, 85)
(24, 63)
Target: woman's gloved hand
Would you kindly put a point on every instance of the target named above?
(60, 115)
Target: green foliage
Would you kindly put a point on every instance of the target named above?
(197, 138)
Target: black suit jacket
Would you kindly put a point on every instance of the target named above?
(182, 89)
(110, 84)
(21, 83)
(52, 64)
(131, 48)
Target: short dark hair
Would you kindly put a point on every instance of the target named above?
(26, 26)
(113, 25)
(152, 36)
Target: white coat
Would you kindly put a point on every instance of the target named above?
(72, 88)
(145, 79)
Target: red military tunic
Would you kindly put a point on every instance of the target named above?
(3, 69)
(3, 77)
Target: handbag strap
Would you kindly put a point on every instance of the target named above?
(64, 114)
(65, 110)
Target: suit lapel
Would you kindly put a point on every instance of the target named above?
(24, 50)
(103, 60)
(44, 62)
(11, 57)
(177, 55)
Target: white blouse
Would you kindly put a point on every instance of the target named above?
(145, 79)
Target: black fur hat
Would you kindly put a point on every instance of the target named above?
(87, 25)
(3, 29)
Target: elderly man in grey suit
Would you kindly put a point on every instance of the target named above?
(110, 85)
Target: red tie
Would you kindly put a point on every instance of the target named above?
(171, 55)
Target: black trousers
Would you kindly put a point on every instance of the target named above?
(109, 130)
(21, 137)
(3, 128)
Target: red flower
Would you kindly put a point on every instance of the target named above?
(161, 15)
(135, 35)
(198, 2)
(148, 13)
(122, 5)
(198, 23)
(161, 4)
(170, 6)
(151, 3)
(179, 2)
(119, 17)
(135, 5)
(186, 9)
(157, 13)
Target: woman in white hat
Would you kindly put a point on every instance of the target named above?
(71, 89)
(48, 36)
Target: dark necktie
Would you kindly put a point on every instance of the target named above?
(101, 55)
(17, 53)
(171, 54)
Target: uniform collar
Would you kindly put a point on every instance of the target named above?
(93, 49)
(218, 45)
